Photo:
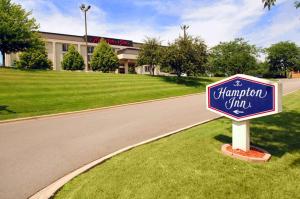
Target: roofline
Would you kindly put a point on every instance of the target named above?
(83, 36)
(53, 33)
(130, 48)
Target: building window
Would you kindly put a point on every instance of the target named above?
(90, 52)
(65, 47)
(147, 68)
(89, 58)
(90, 49)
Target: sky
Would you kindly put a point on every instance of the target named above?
(212, 20)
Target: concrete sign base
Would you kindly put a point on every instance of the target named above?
(255, 154)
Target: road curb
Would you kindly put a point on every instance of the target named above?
(291, 92)
(93, 109)
(51, 189)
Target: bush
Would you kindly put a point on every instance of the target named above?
(131, 70)
(72, 60)
(104, 58)
(34, 59)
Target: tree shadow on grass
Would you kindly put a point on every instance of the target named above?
(278, 134)
(4, 108)
(296, 163)
(187, 81)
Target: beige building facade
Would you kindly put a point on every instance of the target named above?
(57, 45)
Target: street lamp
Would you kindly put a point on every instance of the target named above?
(184, 28)
(84, 9)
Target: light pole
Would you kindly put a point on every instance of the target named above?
(84, 9)
(184, 28)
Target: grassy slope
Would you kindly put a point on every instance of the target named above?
(29, 93)
(190, 164)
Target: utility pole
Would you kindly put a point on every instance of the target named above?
(84, 9)
(184, 28)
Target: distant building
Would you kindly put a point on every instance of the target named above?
(57, 45)
(295, 74)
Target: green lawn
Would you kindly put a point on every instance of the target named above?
(190, 164)
(31, 93)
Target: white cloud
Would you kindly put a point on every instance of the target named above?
(283, 26)
(222, 21)
(52, 19)
(214, 21)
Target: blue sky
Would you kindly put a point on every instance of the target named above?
(212, 20)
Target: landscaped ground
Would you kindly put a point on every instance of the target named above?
(31, 93)
(190, 164)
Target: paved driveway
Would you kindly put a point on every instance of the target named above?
(35, 153)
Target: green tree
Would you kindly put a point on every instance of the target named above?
(261, 69)
(104, 58)
(229, 58)
(173, 59)
(72, 60)
(17, 29)
(34, 57)
(283, 57)
(186, 55)
(195, 54)
(150, 53)
(269, 3)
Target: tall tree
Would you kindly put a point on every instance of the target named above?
(104, 58)
(173, 59)
(17, 29)
(283, 57)
(150, 53)
(186, 55)
(229, 58)
(269, 3)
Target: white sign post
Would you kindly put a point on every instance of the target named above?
(241, 135)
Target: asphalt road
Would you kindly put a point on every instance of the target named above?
(34, 153)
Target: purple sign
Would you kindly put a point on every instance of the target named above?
(242, 97)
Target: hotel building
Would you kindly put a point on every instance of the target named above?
(57, 45)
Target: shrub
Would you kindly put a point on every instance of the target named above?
(72, 60)
(34, 58)
(104, 58)
(131, 70)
